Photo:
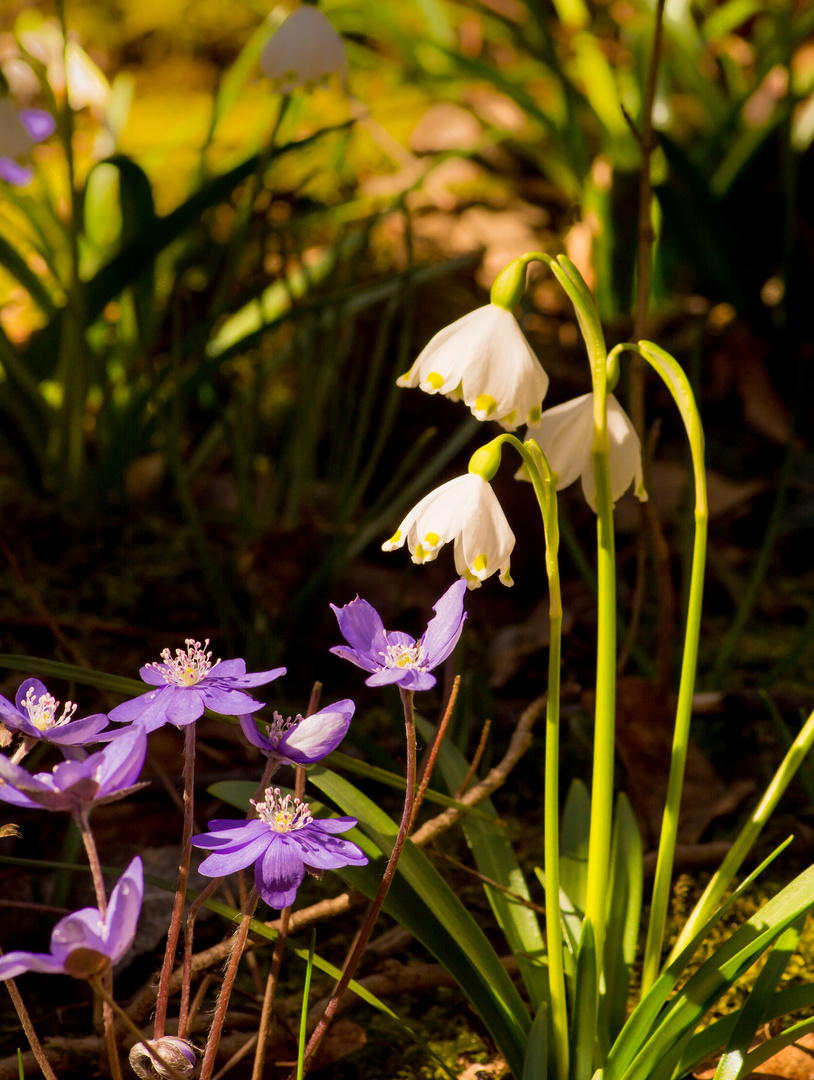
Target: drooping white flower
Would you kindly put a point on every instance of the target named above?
(485, 359)
(565, 435)
(306, 51)
(19, 130)
(465, 510)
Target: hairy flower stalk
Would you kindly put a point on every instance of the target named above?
(362, 938)
(162, 999)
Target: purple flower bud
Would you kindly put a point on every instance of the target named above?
(302, 740)
(174, 1051)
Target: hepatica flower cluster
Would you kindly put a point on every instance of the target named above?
(280, 837)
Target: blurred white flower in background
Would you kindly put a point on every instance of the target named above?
(305, 52)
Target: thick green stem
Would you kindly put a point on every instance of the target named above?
(545, 489)
(605, 715)
(551, 791)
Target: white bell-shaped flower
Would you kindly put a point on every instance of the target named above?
(467, 511)
(306, 51)
(565, 435)
(485, 359)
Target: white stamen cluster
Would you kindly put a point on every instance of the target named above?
(42, 711)
(279, 726)
(283, 813)
(404, 656)
(189, 666)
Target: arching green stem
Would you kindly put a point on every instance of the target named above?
(678, 385)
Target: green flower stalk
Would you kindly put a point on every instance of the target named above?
(678, 385)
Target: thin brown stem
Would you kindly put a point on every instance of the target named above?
(28, 744)
(131, 1027)
(436, 746)
(198, 1000)
(282, 934)
(473, 768)
(363, 937)
(238, 941)
(186, 975)
(28, 1028)
(517, 897)
(93, 858)
(181, 890)
(268, 997)
(83, 822)
(197, 904)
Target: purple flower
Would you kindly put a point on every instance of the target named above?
(393, 656)
(176, 1052)
(77, 785)
(19, 130)
(283, 841)
(85, 943)
(189, 684)
(36, 716)
(302, 740)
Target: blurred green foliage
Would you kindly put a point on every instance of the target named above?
(203, 275)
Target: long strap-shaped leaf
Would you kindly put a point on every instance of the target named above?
(719, 972)
(644, 1017)
(422, 902)
(495, 858)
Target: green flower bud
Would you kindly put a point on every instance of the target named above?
(486, 461)
(509, 285)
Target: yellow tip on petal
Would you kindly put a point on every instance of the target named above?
(486, 404)
(534, 415)
(506, 577)
(510, 419)
(435, 380)
(433, 539)
(394, 541)
(419, 554)
(479, 565)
